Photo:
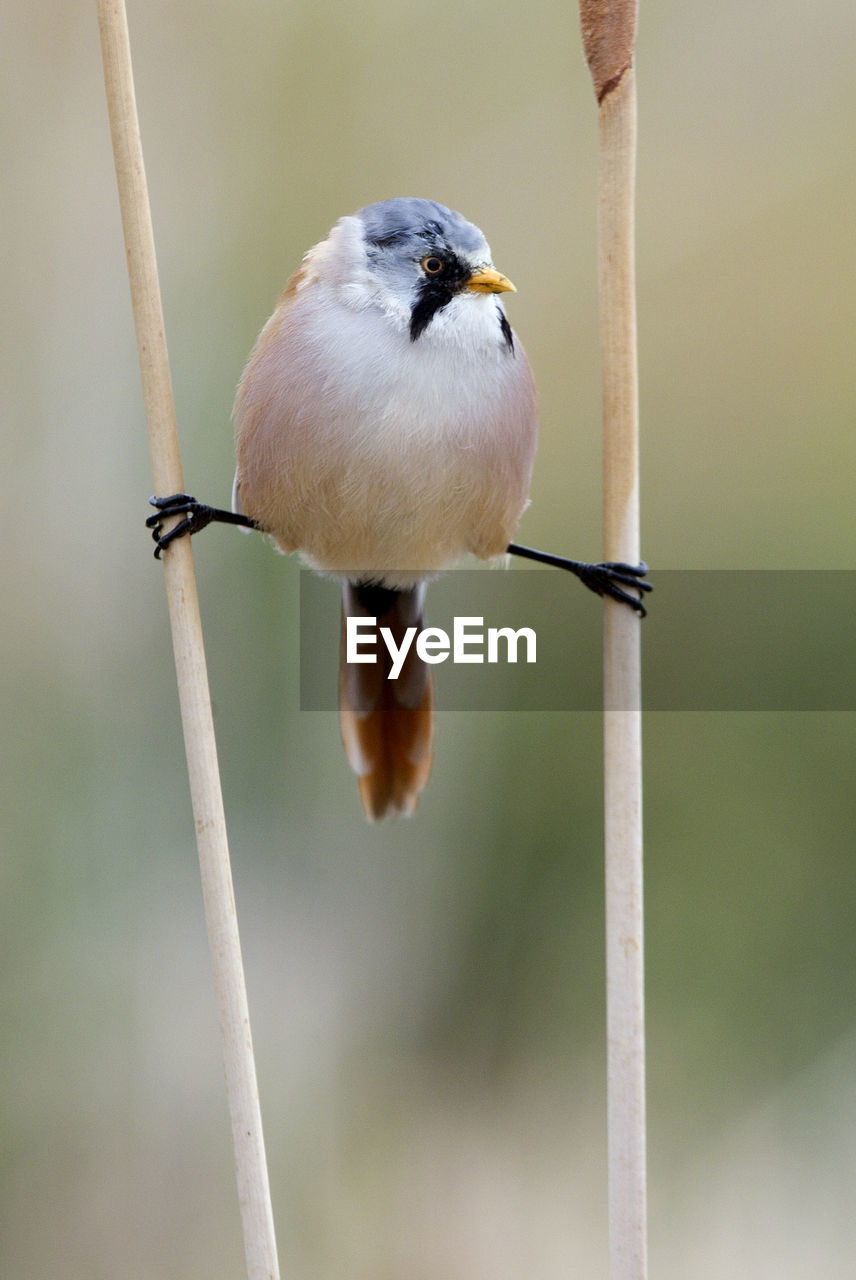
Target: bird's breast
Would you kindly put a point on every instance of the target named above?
(365, 450)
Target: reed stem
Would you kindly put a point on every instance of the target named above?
(194, 697)
(609, 31)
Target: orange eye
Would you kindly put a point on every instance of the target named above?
(432, 265)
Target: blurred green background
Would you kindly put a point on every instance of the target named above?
(427, 995)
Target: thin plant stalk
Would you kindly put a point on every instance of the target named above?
(622, 699)
(609, 30)
(194, 697)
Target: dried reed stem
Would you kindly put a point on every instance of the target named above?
(200, 746)
(609, 30)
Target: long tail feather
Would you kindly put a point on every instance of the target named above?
(387, 725)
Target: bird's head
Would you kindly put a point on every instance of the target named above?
(412, 258)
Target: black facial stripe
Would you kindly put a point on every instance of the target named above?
(437, 291)
(433, 296)
(506, 329)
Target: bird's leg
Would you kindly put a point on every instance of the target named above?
(196, 516)
(608, 579)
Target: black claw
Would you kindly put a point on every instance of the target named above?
(609, 580)
(635, 570)
(171, 501)
(164, 540)
(196, 516)
(154, 522)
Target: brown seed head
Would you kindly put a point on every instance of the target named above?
(609, 34)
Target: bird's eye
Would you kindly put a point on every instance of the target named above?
(432, 265)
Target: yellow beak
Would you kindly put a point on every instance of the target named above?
(490, 281)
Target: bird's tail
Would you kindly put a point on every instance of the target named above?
(387, 725)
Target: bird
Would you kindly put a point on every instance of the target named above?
(386, 426)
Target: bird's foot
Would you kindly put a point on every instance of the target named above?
(607, 579)
(196, 516)
(610, 579)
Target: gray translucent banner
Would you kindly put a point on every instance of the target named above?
(714, 640)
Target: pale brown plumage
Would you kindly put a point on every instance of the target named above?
(383, 442)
